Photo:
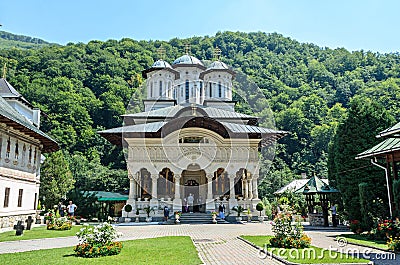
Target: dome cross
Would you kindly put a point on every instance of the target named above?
(217, 53)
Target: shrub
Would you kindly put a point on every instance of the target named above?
(394, 243)
(57, 223)
(355, 227)
(286, 235)
(385, 229)
(98, 241)
(128, 208)
(260, 207)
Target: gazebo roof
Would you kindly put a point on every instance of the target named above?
(388, 146)
(391, 131)
(315, 185)
(108, 196)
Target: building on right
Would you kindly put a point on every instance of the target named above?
(386, 155)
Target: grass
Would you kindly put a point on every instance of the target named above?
(365, 241)
(37, 233)
(163, 250)
(305, 256)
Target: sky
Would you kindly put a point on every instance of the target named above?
(352, 24)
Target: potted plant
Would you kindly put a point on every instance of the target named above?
(214, 217)
(148, 210)
(177, 216)
(249, 215)
(137, 214)
(128, 208)
(260, 207)
(239, 209)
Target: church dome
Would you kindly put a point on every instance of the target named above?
(161, 64)
(187, 59)
(218, 65)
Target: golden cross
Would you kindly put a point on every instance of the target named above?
(161, 53)
(187, 48)
(217, 53)
(4, 70)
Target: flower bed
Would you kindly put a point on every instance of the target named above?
(57, 223)
(98, 241)
(287, 235)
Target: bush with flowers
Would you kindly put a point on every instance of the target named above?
(355, 227)
(98, 241)
(385, 229)
(55, 222)
(288, 235)
(394, 244)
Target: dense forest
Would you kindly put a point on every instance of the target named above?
(83, 88)
(9, 40)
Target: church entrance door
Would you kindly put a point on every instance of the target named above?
(192, 195)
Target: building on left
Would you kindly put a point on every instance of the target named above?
(21, 146)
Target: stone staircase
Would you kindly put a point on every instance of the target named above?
(198, 218)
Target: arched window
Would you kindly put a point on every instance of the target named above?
(151, 89)
(219, 89)
(169, 89)
(8, 148)
(187, 90)
(160, 90)
(210, 94)
(201, 89)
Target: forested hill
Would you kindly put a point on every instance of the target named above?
(86, 87)
(9, 40)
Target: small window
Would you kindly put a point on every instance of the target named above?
(8, 148)
(160, 92)
(21, 191)
(219, 90)
(34, 202)
(151, 89)
(30, 154)
(6, 197)
(210, 90)
(16, 152)
(34, 156)
(187, 90)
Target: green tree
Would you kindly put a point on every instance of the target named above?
(56, 179)
(354, 135)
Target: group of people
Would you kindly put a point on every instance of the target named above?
(188, 203)
(69, 209)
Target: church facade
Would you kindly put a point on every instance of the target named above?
(189, 141)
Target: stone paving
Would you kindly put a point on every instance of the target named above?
(216, 244)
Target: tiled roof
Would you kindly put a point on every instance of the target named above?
(387, 146)
(8, 91)
(292, 186)
(316, 185)
(170, 112)
(14, 119)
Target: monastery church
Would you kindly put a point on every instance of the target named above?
(189, 141)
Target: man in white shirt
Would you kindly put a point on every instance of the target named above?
(71, 208)
(190, 201)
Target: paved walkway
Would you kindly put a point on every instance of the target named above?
(216, 244)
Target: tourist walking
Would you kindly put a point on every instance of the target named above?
(71, 208)
(221, 210)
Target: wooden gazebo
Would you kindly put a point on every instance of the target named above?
(316, 186)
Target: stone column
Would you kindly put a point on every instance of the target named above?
(255, 187)
(250, 186)
(232, 195)
(154, 199)
(245, 189)
(209, 187)
(210, 205)
(177, 203)
(132, 196)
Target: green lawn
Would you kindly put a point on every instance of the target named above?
(365, 241)
(311, 255)
(38, 232)
(163, 250)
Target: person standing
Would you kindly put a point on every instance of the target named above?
(190, 201)
(221, 210)
(71, 208)
(334, 221)
(60, 209)
(166, 213)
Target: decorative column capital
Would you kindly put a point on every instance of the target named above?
(209, 177)
(154, 177)
(232, 176)
(177, 176)
(255, 176)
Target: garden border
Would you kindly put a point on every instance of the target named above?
(361, 245)
(292, 263)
